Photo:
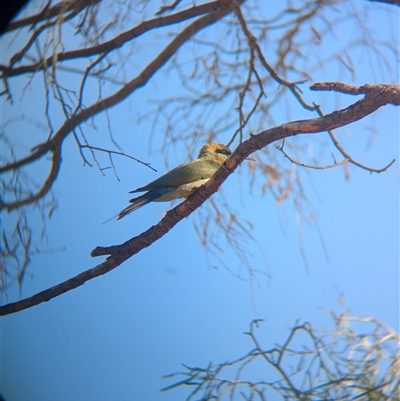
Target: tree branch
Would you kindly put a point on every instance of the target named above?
(111, 44)
(376, 97)
(253, 43)
(142, 78)
(55, 169)
(51, 12)
(391, 2)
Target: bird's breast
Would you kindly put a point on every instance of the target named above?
(182, 191)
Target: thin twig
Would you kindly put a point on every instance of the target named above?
(110, 152)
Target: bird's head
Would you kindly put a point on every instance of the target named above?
(215, 151)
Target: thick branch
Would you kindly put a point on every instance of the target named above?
(376, 97)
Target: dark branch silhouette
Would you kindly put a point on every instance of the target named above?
(105, 47)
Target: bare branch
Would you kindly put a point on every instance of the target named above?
(113, 152)
(347, 158)
(376, 97)
(357, 90)
(310, 365)
(114, 43)
(48, 13)
(142, 78)
(335, 164)
(18, 56)
(344, 152)
(163, 9)
(353, 90)
(292, 86)
(55, 169)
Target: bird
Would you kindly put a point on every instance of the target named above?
(182, 180)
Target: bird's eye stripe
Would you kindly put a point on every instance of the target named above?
(224, 152)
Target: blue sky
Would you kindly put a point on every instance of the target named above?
(116, 336)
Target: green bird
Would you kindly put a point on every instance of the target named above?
(181, 181)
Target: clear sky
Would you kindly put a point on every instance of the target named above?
(116, 336)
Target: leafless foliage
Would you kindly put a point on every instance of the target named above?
(237, 67)
(357, 359)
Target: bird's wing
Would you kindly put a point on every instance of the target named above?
(183, 174)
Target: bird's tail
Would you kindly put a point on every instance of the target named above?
(136, 203)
